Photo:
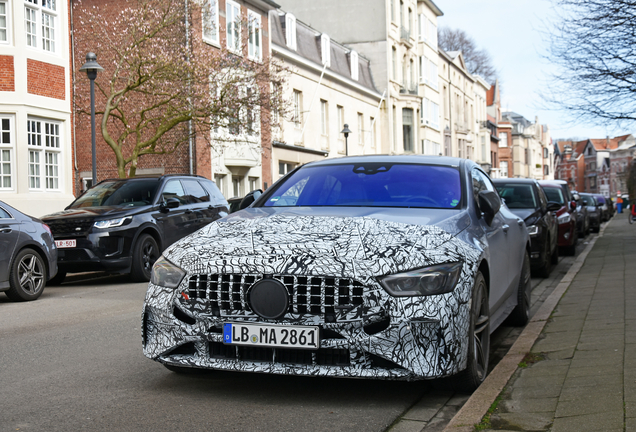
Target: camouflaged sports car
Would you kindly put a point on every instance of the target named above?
(391, 267)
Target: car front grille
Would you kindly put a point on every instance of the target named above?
(308, 295)
(69, 226)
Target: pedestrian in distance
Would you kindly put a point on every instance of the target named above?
(631, 214)
(619, 204)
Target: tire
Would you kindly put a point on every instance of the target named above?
(478, 340)
(145, 253)
(521, 313)
(27, 276)
(57, 279)
(548, 259)
(554, 256)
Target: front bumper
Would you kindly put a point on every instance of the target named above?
(100, 251)
(383, 337)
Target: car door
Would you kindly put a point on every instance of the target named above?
(175, 223)
(548, 218)
(498, 245)
(199, 202)
(9, 236)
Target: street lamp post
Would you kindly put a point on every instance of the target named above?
(92, 67)
(346, 133)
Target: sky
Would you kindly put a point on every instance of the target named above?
(513, 33)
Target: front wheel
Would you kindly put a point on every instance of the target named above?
(478, 339)
(27, 277)
(145, 253)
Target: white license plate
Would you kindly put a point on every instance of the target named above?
(65, 243)
(271, 336)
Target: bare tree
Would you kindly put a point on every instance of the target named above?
(478, 61)
(162, 85)
(592, 44)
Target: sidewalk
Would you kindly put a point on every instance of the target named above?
(580, 374)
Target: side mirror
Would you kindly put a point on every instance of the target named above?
(170, 203)
(489, 204)
(554, 206)
(573, 205)
(250, 198)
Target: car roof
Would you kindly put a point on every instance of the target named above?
(416, 159)
(515, 180)
(546, 183)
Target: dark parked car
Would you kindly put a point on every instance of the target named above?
(566, 216)
(386, 267)
(582, 217)
(28, 257)
(526, 199)
(593, 211)
(122, 225)
(602, 204)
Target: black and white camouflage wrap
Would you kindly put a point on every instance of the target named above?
(424, 337)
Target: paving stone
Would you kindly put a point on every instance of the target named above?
(534, 381)
(458, 400)
(563, 354)
(611, 378)
(521, 421)
(408, 426)
(535, 392)
(589, 371)
(564, 325)
(427, 408)
(630, 424)
(529, 405)
(537, 371)
(608, 395)
(582, 406)
(606, 422)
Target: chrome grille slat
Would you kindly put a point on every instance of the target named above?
(308, 295)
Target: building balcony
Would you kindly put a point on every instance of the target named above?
(408, 89)
(405, 36)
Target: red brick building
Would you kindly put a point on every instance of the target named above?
(236, 170)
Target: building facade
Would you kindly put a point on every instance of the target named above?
(36, 134)
(531, 148)
(329, 86)
(234, 157)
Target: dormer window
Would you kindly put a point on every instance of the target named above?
(353, 58)
(290, 31)
(325, 49)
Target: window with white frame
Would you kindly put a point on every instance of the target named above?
(360, 129)
(254, 42)
(372, 138)
(233, 32)
(40, 18)
(503, 166)
(297, 102)
(324, 118)
(422, 27)
(325, 49)
(43, 140)
(4, 21)
(432, 34)
(211, 21)
(432, 74)
(353, 58)
(394, 63)
(219, 179)
(290, 31)
(503, 139)
(431, 148)
(7, 141)
(340, 118)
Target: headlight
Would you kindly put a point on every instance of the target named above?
(564, 218)
(433, 280)
(533, 230)
(166, 274)
(111, 223)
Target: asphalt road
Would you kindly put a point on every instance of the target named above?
(72, 361)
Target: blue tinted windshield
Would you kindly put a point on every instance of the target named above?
(370, 185)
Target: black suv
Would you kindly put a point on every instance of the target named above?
(122, 225)
(526, 199)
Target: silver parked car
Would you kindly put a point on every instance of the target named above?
(28, 257)
(389, 267)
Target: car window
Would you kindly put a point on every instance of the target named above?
(174, 189)
(371, 184)
(195, 192)
(543, 201)
(518, 195)
(120, 193)
(481, 182)
(588, 200)
(4, 214)
(554, 194)
(215, 194)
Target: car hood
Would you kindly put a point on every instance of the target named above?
(262, 242)
(94, 212)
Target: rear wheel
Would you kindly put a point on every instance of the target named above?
(521, 313)
(145, 253)
(548, 259)
(27, 277)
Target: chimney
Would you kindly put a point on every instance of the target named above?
(607, 142)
